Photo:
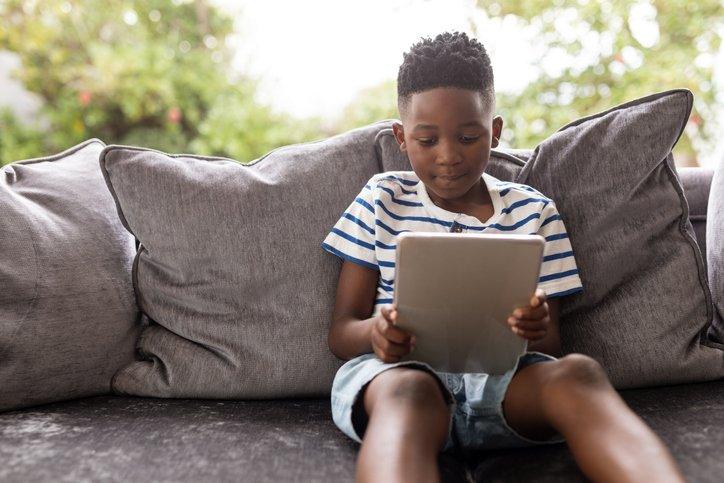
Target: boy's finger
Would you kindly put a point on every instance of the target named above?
(538, 298)
(390, 332)
(389, 347)
(397, 350)
(529, 334)
(540, 324)
(389, 312)
(531, 312)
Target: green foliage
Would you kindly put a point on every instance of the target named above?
(617, 51)
(607, 65)
(20, 141)
(152, 73)
(371, 104)
(234, 125)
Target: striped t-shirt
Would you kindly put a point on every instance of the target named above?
(396, 201)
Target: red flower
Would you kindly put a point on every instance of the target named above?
(84, 97)
(174, 115)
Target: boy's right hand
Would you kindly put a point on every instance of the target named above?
(389, 342)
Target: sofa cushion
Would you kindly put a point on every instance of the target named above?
(645, 307)
(697, 183)
(69, 318)
(229, 271)
(180, 440)
(715, 252)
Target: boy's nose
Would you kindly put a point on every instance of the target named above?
(448, 155)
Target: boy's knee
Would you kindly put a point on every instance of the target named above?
(582, 369)
(405, 386)
(572, 376)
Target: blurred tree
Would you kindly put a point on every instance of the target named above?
(609, 52)
(154, 73)
(372, 104)
(20, 141)
(613, 51)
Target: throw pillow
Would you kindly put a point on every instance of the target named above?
(646, 307)
(69, 318)
(230, 272)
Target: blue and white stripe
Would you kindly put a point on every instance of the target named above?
(395, 202)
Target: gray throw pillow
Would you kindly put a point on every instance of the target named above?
(230, 272)
(646, 307)
(715, 252)
(69, 318)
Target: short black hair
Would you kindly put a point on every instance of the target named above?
(450, 60)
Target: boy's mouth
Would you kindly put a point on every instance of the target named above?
(451, 178)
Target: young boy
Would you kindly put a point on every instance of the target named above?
(404, 412)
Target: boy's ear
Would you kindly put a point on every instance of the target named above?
(399, 132)
(497, 130)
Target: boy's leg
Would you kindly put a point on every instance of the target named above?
(407, 426)
(573, 396)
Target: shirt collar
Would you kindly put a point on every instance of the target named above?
(491, 184)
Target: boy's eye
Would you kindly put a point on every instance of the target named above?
(426, 141)
(469, 139)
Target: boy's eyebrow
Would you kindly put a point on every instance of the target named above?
(471, 123)
(432, 126)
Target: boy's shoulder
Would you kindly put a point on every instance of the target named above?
(510, 189)
(394, 180)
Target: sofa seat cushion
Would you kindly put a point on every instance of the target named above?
(145, 439)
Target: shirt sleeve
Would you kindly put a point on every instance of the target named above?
(353, 236)
(559, 272)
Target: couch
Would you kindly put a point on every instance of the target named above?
(229, 413)
(112, 438)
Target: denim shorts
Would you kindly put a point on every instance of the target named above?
(475, 400)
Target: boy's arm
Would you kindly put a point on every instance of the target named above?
(349, 334)
(551, 343)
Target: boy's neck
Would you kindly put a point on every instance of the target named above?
(476, 199)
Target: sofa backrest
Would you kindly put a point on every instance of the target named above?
(697, 182)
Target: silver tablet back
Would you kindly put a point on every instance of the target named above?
(455, 292)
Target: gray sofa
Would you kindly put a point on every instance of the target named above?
(113, 438)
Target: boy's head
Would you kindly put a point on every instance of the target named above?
(450, 60)
(446, 100)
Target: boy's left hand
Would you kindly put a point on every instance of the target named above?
(531, 322)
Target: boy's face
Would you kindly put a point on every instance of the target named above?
(447, 133)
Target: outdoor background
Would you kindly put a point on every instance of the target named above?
(239, 78)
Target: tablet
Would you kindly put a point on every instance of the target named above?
(455, 291)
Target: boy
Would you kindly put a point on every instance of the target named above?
(405, 412)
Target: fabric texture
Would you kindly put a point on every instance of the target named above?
(395, 202)
(646, 306)
(229, 273)
(715, 252)
(69, 318)
(697, 184)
